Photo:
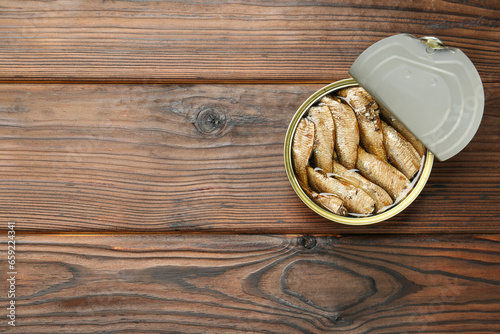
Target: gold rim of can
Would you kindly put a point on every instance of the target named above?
(424, 175)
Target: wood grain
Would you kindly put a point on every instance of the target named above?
(205, 158)
(232, 41)
(256, 284)
(151, 134)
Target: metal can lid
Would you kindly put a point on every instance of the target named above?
(435, 91)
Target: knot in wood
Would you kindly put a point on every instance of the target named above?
(210, 121)
(307, 241)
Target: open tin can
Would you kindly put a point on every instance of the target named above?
(433, 90)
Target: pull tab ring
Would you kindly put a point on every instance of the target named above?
(432, 43)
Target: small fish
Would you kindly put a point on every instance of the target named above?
(301, 149)
(355, 199)
(383, 174)
(329, 202)
(367, 114)
(346, 131)
(324, 141)
(400, 152)
(379, 195)
(399, 127)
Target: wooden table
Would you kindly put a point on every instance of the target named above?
(142, 166)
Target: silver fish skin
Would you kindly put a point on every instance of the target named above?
(403, 130)
(400, 152)
(346, 131)
(324, 141)
(380, 196)
(367, 112)
(355, 199)
(302, 145)
(329, 202)
(383, 174)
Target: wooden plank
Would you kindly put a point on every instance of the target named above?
(255, 284)
(198, 158)
(187, 41)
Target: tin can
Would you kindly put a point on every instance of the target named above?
(434, 90)
(312, 100)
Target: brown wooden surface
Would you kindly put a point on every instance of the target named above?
(146, 158)
(258, 284)
(141, 158)
(172, 41)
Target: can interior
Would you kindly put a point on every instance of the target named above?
(314, 98)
